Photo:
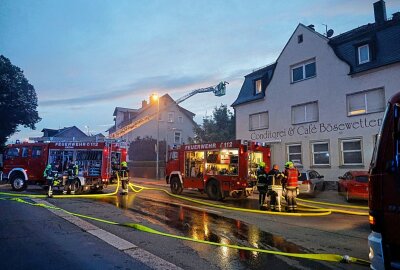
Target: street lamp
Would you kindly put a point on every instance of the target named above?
(155, 97)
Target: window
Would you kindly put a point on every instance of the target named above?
(320, 153)
(177, 137)
(351, 152)
(305, 113)
(300, 38)
(294, 153)
(303, 71)
(258, 85)
(171, 116)
(12, 152)
(363, 54)
(258, 121)
(36, 151)
(180, 119)
(366, 102)
(24, 152)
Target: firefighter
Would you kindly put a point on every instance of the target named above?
(124, 171)
(291, 185)
(261, 184)
(275, 178)
(49, 175)
(72, 171)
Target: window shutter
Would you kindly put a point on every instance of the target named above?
(312, 112)
(264, 120)
(375, 101)
(298, 114)
(356, 103)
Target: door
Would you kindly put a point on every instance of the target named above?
(36, 163)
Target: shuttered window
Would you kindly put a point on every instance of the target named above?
(258, 121)
(366, 102)
(305, 113)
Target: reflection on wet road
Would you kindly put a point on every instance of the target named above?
(201, 225)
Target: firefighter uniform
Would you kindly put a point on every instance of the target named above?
(291, 186)
(275, 188)
(49, 175)
(124, 171)
(72, 171)
(261, 184)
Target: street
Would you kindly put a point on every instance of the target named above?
(336, 233)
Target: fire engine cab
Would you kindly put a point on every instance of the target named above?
(97, 162)
(220, 169)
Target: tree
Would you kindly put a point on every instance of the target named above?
(18, 100)
(219, 127)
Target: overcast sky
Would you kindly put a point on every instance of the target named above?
(86, 57)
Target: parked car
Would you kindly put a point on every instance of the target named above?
(354, 185)
(310, 182)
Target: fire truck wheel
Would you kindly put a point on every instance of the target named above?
(18, 182)
(214, 191)
(176, 186)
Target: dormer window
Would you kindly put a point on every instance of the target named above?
(258, 86)
(363, 54)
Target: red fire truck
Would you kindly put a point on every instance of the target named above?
(384, 192)
(221, 169)
(97, 161)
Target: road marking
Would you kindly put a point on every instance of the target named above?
(141, 255)
(112, 239)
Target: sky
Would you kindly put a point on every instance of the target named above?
(87, 57)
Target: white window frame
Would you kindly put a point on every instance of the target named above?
(306, 120)
(349, 151)
(320, 152)
(366, 110)
(303, 65)
(359, 54)
(258, 86)
(180, 137)
(171, 117)
(288, 153)
(259, 121)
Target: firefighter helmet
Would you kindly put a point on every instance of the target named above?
(288, 164)
(262, 164)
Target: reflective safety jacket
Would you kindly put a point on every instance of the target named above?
(262, 176)
(292, 176)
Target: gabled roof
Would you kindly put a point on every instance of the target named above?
(383, 40)
(121, 109)
(61, 132)
(247, 92)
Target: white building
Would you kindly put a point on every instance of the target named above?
(175, 123)
(321, 104)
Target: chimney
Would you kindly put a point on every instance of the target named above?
(380, 12)
(311, 26)
(144, 103)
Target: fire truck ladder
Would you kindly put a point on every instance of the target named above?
(218, 90)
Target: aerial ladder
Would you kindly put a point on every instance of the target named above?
(218, 90)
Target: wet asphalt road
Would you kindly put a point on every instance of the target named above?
(340, 234)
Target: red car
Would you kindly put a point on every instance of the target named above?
(354, 184)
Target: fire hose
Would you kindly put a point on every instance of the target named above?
(139, 227)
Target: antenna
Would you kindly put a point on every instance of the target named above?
(328, 33)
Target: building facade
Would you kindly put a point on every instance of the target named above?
(321, 104)
(175, 124)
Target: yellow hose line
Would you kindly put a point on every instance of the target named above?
(323, 212)
(66, 196)
(319, 257)
(334, 204)
(315, 208)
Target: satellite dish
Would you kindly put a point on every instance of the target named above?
(329, 33)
